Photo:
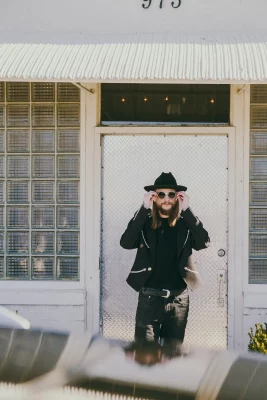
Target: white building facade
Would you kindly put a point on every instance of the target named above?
(74, 155)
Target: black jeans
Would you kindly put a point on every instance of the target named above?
(161, 319)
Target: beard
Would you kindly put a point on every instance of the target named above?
(158, 211)
(163, 211)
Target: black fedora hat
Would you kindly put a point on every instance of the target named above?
(166, 181)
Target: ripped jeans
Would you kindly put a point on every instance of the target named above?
(162, 320)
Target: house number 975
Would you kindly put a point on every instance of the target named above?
(174, 4)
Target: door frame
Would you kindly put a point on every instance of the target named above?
(232, 184)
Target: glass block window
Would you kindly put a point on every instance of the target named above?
(18, 115)
(44, 92)
(2, 91)
(17, 92)
(2, 116)
(258, 186)
(39, 181)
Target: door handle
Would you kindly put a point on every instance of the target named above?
(221, 280)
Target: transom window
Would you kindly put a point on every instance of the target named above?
(39, 181)
(164, 103)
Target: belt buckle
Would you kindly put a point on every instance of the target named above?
(168, 293)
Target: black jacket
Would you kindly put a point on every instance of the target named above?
(139, 234)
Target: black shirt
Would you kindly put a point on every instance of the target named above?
(166, 274)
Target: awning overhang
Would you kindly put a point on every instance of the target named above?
(157, 58)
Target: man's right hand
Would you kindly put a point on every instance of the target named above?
(149, 198)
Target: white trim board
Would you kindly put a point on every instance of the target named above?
(43, 297)
(13, 285)
(92, 82)
(92, 214)
(164, 130)
(240, 119)
(255, 299)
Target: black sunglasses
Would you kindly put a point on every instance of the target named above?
(161, 195)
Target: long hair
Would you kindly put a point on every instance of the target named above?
(173, 218)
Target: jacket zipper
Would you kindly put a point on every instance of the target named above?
(137, 272)
(186, 238)
(145, 240)
(190, 270)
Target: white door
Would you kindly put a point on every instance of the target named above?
(199, 162)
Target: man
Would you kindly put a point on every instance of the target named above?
(163, 268)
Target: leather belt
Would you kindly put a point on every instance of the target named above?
(161, 292)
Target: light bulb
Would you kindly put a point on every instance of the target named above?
(212, 101)
(123, 100)
(167, 98)
(145, 99)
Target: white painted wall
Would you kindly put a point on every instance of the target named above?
(52, 318)
(81, 17)
(62, 310)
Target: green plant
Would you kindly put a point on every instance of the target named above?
(258, 340)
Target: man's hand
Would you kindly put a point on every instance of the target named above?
(149, 198)
(183, 199)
